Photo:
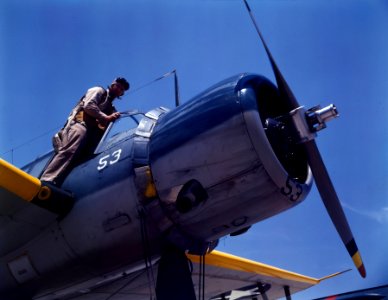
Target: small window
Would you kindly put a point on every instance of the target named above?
(127, 123)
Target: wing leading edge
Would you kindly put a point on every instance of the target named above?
(232, 277)
(18, 182)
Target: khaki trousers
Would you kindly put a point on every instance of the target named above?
(73, 136)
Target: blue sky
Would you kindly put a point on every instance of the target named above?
(329, 52)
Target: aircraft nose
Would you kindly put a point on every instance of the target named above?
(218, 140)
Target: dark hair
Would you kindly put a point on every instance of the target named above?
(122, 81)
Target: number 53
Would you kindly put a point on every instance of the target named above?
(109, 159)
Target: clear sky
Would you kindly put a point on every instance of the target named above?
(329, 52)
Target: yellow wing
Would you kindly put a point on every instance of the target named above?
(230, 276)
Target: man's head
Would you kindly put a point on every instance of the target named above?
(119, 86)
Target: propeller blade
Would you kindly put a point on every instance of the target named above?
(174, 280)
(332, 203)
(284, 89)
(321, 176)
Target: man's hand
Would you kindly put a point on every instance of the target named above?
(113, 117)
(110, 118)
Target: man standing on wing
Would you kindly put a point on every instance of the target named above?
(84, 128)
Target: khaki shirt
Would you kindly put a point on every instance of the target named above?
(94, 106)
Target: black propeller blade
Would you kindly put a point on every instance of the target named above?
(332, 203)
(321, 176)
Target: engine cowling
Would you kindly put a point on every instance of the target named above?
(228, 143)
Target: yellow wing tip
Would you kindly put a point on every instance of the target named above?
(18, 182)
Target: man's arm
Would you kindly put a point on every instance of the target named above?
(93, 98)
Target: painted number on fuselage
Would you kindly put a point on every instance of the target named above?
(109, 159)
(292, 189)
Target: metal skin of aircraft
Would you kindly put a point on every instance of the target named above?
(162, 184)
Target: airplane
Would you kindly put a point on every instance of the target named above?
(160, 190)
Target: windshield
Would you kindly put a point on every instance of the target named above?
(125, 125)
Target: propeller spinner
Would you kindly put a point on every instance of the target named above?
(306, 127)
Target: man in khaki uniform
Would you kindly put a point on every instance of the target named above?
(84, 128)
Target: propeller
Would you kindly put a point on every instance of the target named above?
(321, 176)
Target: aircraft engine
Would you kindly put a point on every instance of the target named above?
(224, 161)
